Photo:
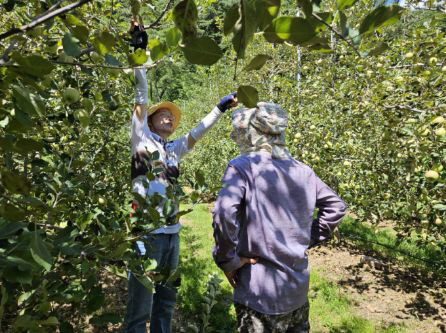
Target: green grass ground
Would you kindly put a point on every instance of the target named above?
(330, 310)
(384, 241)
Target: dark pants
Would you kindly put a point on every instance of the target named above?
(251, 321)
(144, 305)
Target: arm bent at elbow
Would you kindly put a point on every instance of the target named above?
(331, 211)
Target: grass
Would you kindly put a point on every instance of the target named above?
(430, 257)
(330, 310)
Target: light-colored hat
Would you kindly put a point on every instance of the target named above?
(176, 112)
(261, 129)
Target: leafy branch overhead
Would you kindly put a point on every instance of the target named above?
(66, 96)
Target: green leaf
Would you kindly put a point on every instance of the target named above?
(8, 229)
(380, 17)
(81, 32)
(306, 6)
(145, 282)
(118, 271)
(51, 321)
(70, 45)
(173, 37)
(320, 44)
(104, 42)
(14, 274)
(34, 65)
(24, 145)
(316, 5)
(105, 319)
(6, 143)
(33, 201)
(355, 36)
(185, 16)
(344, 4)
(343, 24)
(9, 5)
(12, 213)
(266, 11)
(3, 301)
(72, 20)
(248, 95)
(382, 47)
(111, 60)
(4, 122)
(20, 263)
(26, 321)
(20, 122)
(319, 26)
(168, 208)
(83, 117)
(137, 58)
(231, 17)
(95, 300)
(295, 30)
(40, 252)
(157, 49)
(24, 100)
(202, 51)
(245, 27)
(257, 62)
(66, 327)
(439, 207)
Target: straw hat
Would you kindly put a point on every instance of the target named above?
(176, 112)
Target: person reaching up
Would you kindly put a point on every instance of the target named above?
(151, 128)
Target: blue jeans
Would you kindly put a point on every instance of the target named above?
(144, 305)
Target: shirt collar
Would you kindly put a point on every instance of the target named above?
(158, 138)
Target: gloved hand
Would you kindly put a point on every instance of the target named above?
(139, 38)
(228, 102)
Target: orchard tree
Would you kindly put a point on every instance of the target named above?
(65, 108)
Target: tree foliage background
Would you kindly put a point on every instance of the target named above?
(363, 83)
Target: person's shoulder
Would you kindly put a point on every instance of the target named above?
(241, 162)
(302, 167)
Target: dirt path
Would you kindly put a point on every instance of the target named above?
(390, 294)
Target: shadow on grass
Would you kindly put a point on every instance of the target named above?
(360, 325)
(195, 271)
(429, 289)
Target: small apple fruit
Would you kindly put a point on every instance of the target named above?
(431, 175)
(440, 131)
(438, 120)
(71, 95)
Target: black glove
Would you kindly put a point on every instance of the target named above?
(225, 102)
(140, 39)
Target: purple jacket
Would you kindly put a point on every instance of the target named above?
(265, 211)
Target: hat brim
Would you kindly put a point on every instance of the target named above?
(175, 110)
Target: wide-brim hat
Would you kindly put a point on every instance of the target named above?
(175, 110)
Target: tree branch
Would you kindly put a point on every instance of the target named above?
(102, 66)
(403, 107)
(53, 7)
(317, 17)
(42, 19)
(89, 65)
(156, 22)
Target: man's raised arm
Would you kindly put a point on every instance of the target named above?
(141, 93)
(211, 119)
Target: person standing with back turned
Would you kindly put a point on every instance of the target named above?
(263, 224)
(150, 129)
